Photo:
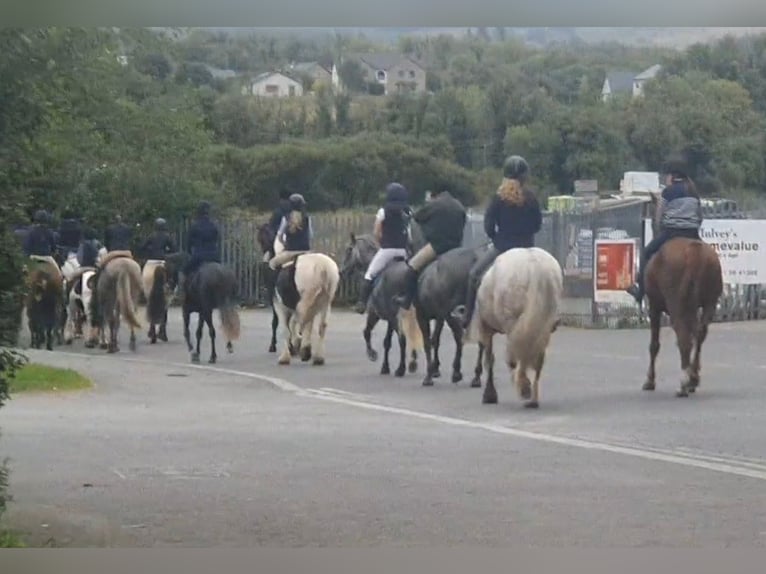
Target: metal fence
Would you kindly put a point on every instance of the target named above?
(567, 236)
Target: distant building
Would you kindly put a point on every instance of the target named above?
(274, 85)
(395, 72)
(319, 74)
(627, 82)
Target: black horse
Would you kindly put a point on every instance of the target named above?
(265, 238)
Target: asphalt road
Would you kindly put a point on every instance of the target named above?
(248, 453)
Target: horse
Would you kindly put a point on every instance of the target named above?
(212, 286)
(438, 287)
(304, 291)
(519, 296)
(156, 289)
(684, 280)
(78, 295)
(117, 287)
(269, 246)
(45, 293)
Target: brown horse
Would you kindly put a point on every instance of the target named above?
(684, 280)
(45, 295)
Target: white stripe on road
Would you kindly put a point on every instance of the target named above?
(749, 469)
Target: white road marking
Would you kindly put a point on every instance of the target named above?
(705, 462)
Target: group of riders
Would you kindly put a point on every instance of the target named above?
(511, 220)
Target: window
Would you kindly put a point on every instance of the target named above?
(291, 90)
(412, 73)
(381, 75)
(272, 89)
(401, 73)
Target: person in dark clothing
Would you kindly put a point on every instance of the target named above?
(511, 220)
(159, 243)
(392, 231)
(295, 232)
(70, 232)
(281, 211)
(442, 222)
(679, 213)
(118, 236)
(40, 240)
(87, 254)
(202, 240)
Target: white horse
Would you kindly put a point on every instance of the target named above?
(316, 281)
(78, 295)
(519, 296)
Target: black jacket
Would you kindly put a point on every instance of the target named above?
(158, 245)
(442, 221)
(118, 237)
(509, 225)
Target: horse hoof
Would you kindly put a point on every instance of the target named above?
(399, 372)
(385, 370)
(284, 361)
(212, 360)
(272, 348)
(195, 358)
(103, 346)
(68, 342)
(428, 382)
(489, 398)
(163, 338)
(132, 346)
(476, 383)
(682, 393)
(531, 405)
(526, 391)
(230, 347)
(114, 349)
(372, 355)
(306, 354)
(648, 386)
(457, 377)
(413, 367)
(153, 341)
(436, 373)
(318, 361)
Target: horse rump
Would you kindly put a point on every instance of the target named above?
(156, 303)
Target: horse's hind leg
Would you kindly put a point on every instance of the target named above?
(707, 317)
(476, 381)
(425, 328)
(685, 336)
(187, 335)
(274, 325)
(372, 320)
(490, 393)
(132, 344)
(437, 337)
(198, 334)
(386, 368)
(306, 331)
(534, 402)
(322, 332)
(402, 368)
(163, 333)
(655, 318)
(457, 362)
(211, 331)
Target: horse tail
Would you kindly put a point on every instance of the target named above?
(410, 328)
(228, 311)
(532, 331)
(126, 285)
(155, 304)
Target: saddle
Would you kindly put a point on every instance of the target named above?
(112, 255)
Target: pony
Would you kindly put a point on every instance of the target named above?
(45, 293)
(684, 280)
(212, 286)
(78, 296)
(519, 296)
(438, 287)
(116, 290)
(270, 246)
(156, 289)
(304, 291)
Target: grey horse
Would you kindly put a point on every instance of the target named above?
(440, 288)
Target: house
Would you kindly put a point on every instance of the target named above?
(314, 70)
(394, 72)
(274, 85)
(627, 82)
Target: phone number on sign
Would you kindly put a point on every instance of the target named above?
(742, 273)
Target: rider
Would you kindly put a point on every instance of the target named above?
(40, 242)
(295, 232)
(442, 221)
(512, 219)
(392, 230)
(159, 243)
(283, 208)
(203, 240)
(87, 254)
(70, 232)
(118, 236)
(679, 214)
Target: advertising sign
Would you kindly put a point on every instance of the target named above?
(614, 270)
(741, 247)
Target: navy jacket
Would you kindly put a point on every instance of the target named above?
(203, 239)
(39, 241)
(158, 245)
(117, 237)
(87, 254)
(395, 228)
(300, 239)
(510, 226)
(70, 233)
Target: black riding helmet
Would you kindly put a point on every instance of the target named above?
(676, 166)
(40, 216)
(516, 167)
(397, 195)
(203, 208)
(297, 201)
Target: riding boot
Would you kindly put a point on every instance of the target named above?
(411, 290)
(364, 296)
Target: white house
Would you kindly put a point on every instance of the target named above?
(274, 85)
(643, 77)
(627, 82)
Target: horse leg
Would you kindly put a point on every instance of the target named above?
(211, 331)
(706, 318)
(535, 401)
(425, 327)
(372, 320)
(306, 334)
(684, 335)
(163, 334)
(198, 335)
(386, 369)
(113, 325)
(274, 325)
(402, 368)
(69, 326)
(187, 336)
(519, 373)
(322, 331)
(437, 337)
(490, 393)
(457, 362)
(476, 381)
(655, 318)
(285, 316)
(152, 334)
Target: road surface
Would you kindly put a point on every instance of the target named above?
(248, 453)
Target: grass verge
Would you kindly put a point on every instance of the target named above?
(34, 377)
(10, 540)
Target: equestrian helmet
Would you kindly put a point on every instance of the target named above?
(676, 166)
(515, 167)
(41, 216)
(203, 207)
(297, 201)
(397, 195)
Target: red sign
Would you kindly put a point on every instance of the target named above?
(615, 264)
